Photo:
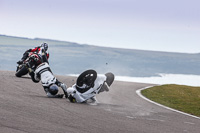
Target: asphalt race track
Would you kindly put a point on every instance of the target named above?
(24, 108)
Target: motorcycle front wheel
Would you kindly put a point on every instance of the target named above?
(21, 71)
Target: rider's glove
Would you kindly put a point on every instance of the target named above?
(20, 62)
(71, 99)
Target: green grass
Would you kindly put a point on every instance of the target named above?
(179, 97)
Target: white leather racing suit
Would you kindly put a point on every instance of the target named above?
(43, 73)
(46, 76)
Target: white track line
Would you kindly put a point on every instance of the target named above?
(139, 94)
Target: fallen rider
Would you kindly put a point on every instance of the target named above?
(48, 80)
(88, 85)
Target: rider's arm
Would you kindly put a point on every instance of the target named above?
(25, 55)
(29, 50)
(34, 49)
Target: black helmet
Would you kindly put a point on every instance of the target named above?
(45, 46)
(53, 89)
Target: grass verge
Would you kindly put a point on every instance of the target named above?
(179, 97)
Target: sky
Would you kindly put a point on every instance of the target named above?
(159, 25)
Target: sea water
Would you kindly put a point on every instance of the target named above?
(180, 79)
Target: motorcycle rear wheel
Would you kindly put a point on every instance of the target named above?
(110, 78)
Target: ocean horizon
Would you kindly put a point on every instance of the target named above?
(180, 79)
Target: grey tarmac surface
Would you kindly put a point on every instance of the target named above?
(24, 108)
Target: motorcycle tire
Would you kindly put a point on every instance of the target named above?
(87, 77)
(110, 78)
(21, 72)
